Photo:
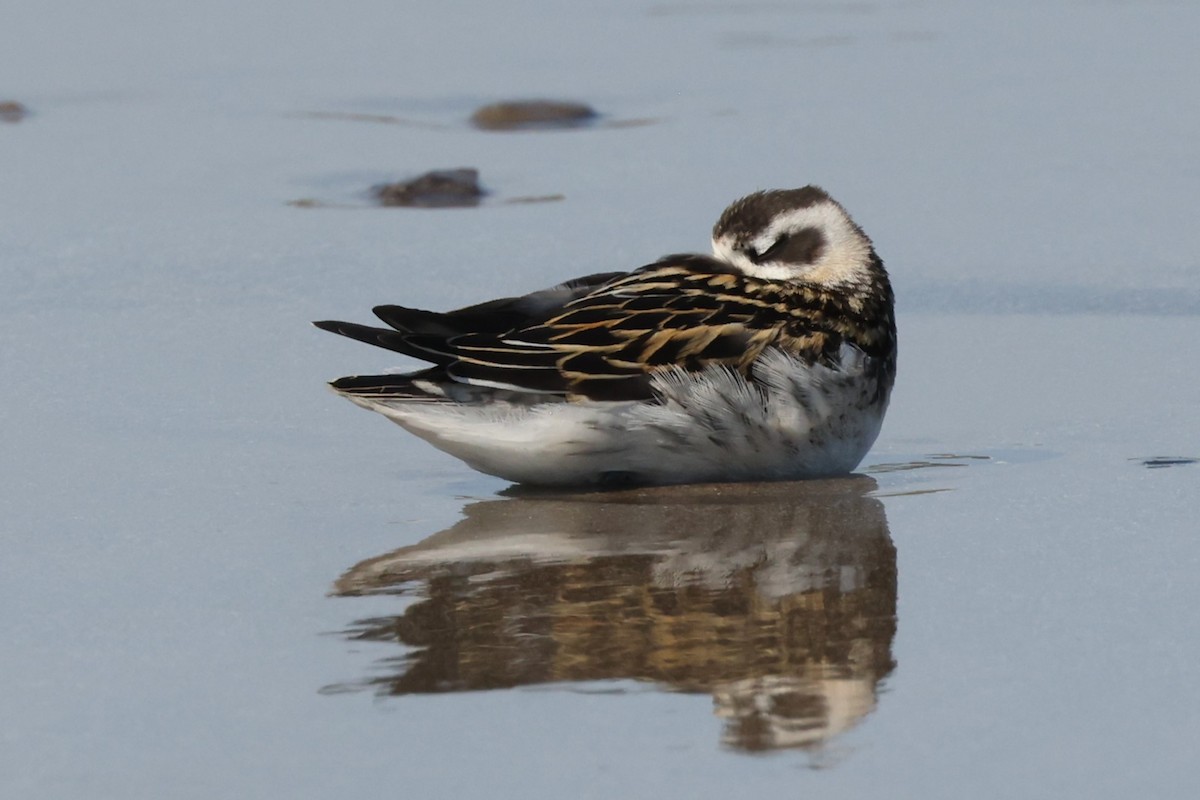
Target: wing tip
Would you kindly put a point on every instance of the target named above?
(384, 388)
(365, 384)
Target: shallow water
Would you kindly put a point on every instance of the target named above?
(220, 580)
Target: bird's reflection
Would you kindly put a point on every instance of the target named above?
(777, 599)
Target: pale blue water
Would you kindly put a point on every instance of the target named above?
(1010, 615)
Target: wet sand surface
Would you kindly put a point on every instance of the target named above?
(221, 581)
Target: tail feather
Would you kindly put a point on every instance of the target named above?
(494, 316)
(397, 387)
(473, 358)
(433, 385)
(421, 322)
(426, 347)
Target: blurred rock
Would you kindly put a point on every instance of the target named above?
(12, 111)
(440, 188)
(516, 115)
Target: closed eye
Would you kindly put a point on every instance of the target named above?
(771, 251)
(804, 246)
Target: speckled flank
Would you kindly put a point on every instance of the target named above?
(792, 419)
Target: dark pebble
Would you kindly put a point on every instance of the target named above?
(441, 188)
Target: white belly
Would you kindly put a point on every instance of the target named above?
(796, 421)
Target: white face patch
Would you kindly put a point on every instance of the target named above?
(844, 260)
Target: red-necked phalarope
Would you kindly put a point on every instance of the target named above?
(773, 358)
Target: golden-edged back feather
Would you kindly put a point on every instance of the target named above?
(689, 312)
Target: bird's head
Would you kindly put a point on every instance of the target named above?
(795, 235)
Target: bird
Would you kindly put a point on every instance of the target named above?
(773, 358)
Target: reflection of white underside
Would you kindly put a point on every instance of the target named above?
(775, 569)
(798, 421)
(541, 547)
(789, 711)
(789, 536)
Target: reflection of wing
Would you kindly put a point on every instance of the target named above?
(778, 599)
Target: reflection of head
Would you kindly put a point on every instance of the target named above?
(779, 711)
(777, 599)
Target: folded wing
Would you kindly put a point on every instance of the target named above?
(599, 337)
